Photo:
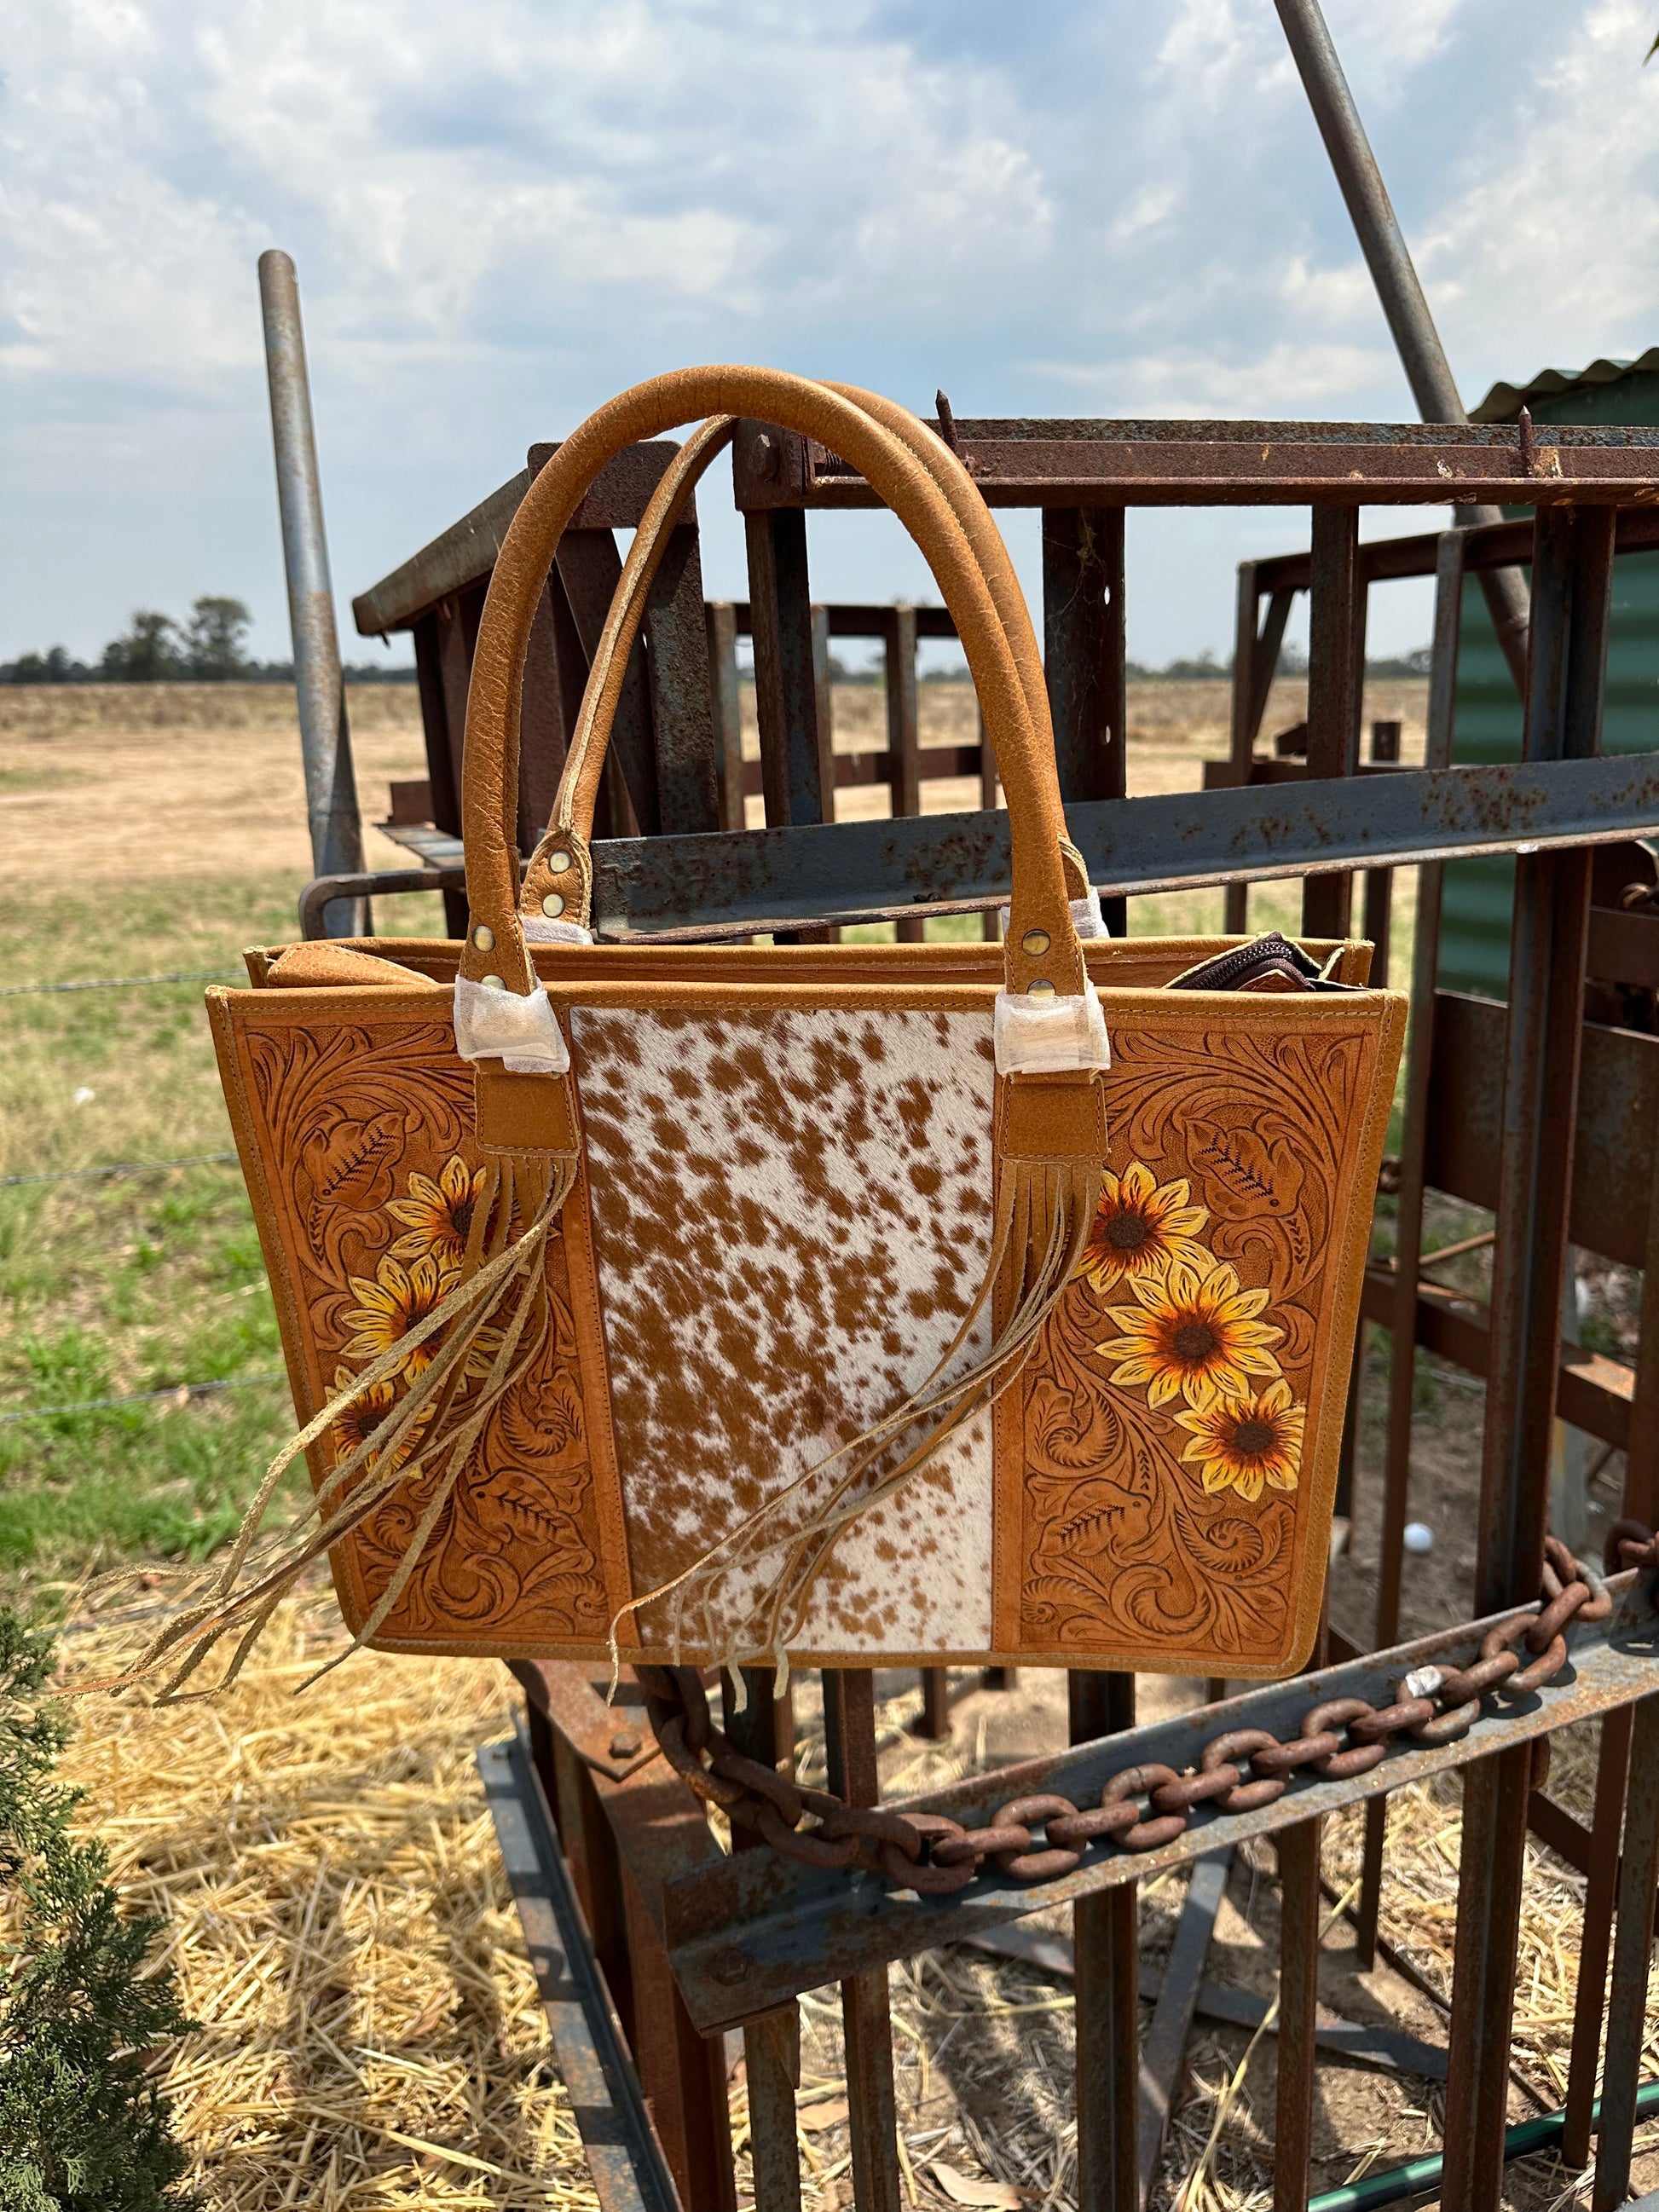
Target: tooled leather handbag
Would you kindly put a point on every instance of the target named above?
(835, 1303)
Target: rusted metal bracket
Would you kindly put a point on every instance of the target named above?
(749, 1933)
(613, 1743)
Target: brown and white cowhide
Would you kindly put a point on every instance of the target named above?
(791, 1217)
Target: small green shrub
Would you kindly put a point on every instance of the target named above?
(82, 2128)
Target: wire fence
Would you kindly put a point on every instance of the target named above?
(180, 1393)
(118, 983)
(117, 1167)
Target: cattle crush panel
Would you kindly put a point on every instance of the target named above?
(650, 1942)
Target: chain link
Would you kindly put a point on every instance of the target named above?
(1146, 1807)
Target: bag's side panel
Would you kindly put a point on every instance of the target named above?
(356, 1138)
(791, 1217)
(1170, 1457)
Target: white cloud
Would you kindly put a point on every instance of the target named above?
(502, 211)
(1289, 380)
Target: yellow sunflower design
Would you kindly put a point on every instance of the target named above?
(1193, 1333)
(1141, 1228)
(438, 1216)
(1247, 1443)
(356, 1425)
(399, 1299)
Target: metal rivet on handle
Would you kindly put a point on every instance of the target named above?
(1042, 988)
(558, 862)
(494, 982)
(484, 937)
(1036, 942)
(552, 905)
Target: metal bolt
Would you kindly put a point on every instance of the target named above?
(1036, 942)
(1042, 988)
(494, 982)
(769, 456)
(484, 937)
(731, 1967)
(552, 905)
(558, 862)
(624, 1743)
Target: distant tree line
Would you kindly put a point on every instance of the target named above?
(210, 646)
(1206, 668)
(1292, 661)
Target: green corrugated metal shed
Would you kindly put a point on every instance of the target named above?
(1479, 894)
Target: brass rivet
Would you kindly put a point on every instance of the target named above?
(558, 862)
(484, 937)
(1042, 988)
(499, 983)
(552, 905)
(1036, 942)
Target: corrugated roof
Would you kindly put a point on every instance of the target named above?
(1505, 401)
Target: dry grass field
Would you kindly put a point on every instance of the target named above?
(370, 2037)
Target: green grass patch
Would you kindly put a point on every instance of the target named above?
(144, 1282)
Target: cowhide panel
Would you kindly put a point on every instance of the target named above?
(791, 1217)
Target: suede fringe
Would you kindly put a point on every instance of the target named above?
(502, 1289)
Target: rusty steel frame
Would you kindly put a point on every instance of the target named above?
(691, 1942)
(1453, 1115)
(739, 1938)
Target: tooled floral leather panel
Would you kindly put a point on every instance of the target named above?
(367, 1134)
(1169, 1472)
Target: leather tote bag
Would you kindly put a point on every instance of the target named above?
(833, 1304)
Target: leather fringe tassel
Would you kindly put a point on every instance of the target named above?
(503, 1290)
(1045, 1209)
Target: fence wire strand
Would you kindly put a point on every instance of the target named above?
(181, 1393)
(117, 1167)
(118, 983)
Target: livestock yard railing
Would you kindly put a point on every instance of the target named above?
(652, 1940)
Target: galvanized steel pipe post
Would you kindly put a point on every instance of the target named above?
(1383, 245)
(336, 829)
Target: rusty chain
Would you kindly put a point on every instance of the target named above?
(1145, 1806)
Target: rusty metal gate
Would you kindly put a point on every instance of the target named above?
(652, 1941)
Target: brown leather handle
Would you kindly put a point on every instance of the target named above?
(568, 894)
(1042, 947)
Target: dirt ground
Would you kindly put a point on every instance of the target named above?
(207, 777)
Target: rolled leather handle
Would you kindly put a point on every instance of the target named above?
(1021, 738)
(570, 825)
(568, 894)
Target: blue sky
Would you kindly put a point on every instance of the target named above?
(502, 212)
